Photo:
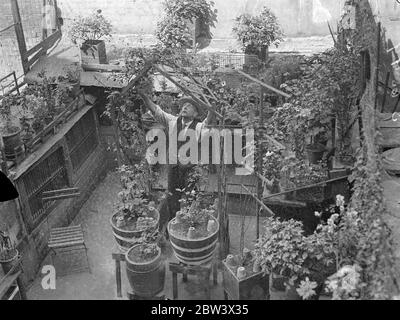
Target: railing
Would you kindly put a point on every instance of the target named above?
(13, 81)
(30, 57)
(239, 61)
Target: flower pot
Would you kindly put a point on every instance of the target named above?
(13, 146)
(8, 264)
(291, 293)
(278, 282)
(263, 53)
(127, 239)
(315, 153)
(146, 278)
(252, 287)
(193, 251)
(93, 52)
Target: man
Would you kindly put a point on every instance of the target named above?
(187, 119)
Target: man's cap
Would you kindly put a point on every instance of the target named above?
(190, 100)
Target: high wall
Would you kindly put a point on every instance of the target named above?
(298, 17)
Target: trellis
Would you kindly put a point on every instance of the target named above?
(205, 98)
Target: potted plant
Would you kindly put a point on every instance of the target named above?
(285, 251)
(89, 33)
(257, 33)
(70, 82)
(194, 233)
(145, 266)
(135, 214)
(10, 132)
(187, 23)
(8, 252)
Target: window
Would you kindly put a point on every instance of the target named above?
(82, 140)
(49, 174)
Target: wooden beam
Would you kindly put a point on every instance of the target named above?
(306, 187)
(62, 197)
(46, 44)
(102, 67)
(19, 31)
(54, 192)
(132, 83)
(263, 84)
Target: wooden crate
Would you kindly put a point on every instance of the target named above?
(255, 287)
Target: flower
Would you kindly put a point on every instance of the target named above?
(306, 289)
(318, 214)
(339, 200)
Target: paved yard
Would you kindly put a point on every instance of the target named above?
(100, 285)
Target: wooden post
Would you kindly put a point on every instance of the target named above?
(378, 61)
(116, 132)
(19, 31)
(194, 36)
(260, 161)
(222, 197)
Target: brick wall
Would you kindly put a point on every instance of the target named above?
(305, 17)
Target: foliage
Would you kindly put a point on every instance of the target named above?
(254, 32)
(345, 284)
(302, 174)
(7, 103)
(148, 251)
(7, 247)
(375, 254)
(93, 27)
(284, 249)
(282, 69)
(134, 205)
(329, 87)
(174, 30)
(194, 215)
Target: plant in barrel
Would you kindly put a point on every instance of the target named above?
(145, 265)
(135, 211)
(194, 231)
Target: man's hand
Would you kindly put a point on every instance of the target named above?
(147, 101)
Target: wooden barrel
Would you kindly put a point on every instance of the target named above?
(13, 147)
(127, 239)
(10, 263)
(193, 251)
(146, 279)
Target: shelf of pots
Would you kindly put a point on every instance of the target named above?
(145, 265)
(194, 234)
(89, 33)
(244, 279)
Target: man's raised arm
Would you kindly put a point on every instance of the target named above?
(160, 115)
